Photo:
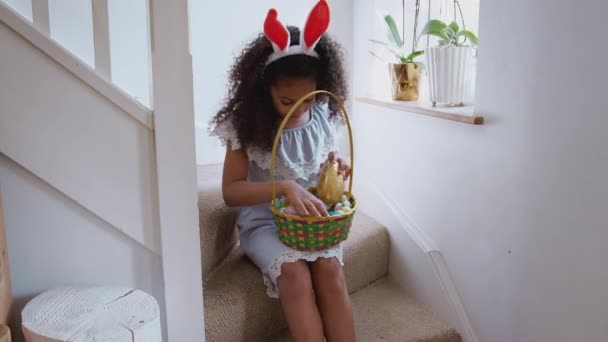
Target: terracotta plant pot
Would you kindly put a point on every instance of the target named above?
(404, 80)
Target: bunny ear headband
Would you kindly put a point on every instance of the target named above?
(316, 25)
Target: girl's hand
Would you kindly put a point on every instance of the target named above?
(343, 167)
(305, 203)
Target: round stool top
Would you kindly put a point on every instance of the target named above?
(90, 313)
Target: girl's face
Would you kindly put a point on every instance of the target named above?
(286, 92)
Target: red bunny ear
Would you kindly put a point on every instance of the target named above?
(316, 24)
(275, 31)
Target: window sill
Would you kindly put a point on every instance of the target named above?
(461, 114)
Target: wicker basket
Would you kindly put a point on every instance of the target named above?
(312, 233)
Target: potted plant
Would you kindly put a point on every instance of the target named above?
(404, 71)
(450, 64)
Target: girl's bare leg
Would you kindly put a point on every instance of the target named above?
(333, 300)
(298, 302)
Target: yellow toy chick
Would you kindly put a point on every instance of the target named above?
(331, 180)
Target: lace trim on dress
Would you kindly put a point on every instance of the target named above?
(226, 133)
(270, 279)
(292, 171)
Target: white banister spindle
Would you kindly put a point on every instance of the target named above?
(40, 16)
(101, 37)
(149, 41)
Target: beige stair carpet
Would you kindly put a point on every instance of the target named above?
(238, 309)
(384, 312)
(217, 221)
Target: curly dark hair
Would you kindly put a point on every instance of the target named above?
(249, 105)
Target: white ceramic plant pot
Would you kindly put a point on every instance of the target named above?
(451, 71)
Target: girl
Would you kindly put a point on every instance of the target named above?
(271, 74)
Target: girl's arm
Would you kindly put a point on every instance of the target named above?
(238, 191)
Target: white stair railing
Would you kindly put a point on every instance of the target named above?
(37, 34)
(100, 41)
(172, 124)
(101, 31)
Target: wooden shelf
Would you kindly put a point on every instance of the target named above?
(461, 114)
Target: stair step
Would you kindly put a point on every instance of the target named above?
(216, 220)
(384, 312)
(238, 309)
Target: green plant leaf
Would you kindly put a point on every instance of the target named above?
(375, 55)
(470, 35)
(454, 26)
(410, 58)
(442, 42)
(394, 32)
(414, 54)
(378, 42)
(450, 33)
(440, 35)
(435, 28)
(387, 46)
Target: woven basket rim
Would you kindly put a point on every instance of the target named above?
(313, 219)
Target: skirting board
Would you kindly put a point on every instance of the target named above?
(430, 249)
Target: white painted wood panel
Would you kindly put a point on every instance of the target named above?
(71, 136)
(72, 244)
(176, 163)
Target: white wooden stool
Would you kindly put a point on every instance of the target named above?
(79, 314)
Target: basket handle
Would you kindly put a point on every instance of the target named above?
(284, 122)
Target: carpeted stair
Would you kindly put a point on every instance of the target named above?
(236, 305)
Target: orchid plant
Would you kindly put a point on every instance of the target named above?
(396, 44)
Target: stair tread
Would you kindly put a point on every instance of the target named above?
(216, 220)
(384, 312)
(236, 304)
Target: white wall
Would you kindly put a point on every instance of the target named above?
(220, 31)
(23, 7)
(53, 241)
(130, 47)
(517, 206)
(71, 24)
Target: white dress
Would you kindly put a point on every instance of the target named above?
(299, 156)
